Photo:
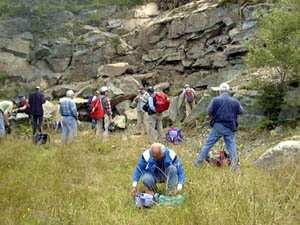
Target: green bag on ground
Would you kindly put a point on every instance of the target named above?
(177, 200)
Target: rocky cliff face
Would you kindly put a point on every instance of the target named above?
(201, 43)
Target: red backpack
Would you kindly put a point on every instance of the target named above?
(97, 110)
(162, 102)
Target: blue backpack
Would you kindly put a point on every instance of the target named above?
(174, 136)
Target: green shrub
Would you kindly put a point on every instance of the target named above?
(271, 101)
(278, 41)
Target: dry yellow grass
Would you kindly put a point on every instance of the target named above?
(89, 183)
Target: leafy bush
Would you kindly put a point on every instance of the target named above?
(278, 41)
(271, 101)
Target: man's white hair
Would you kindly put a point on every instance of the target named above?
(224, 87)
(158, 145)
(70, 93)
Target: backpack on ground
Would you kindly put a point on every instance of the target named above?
(162, 102)
(174, 135)
(190, 96)
(221, 160)
(97, 110)
(41, 138)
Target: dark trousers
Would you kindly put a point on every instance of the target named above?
(36, 123)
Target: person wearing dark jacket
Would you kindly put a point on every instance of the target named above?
(223, 111)
(36, 101)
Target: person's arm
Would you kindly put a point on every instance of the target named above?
(43, 99)
(151, 104)
(181, 174)
(109, 109)
(240, 109)
(138, 172)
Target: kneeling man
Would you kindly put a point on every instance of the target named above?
(159, 164)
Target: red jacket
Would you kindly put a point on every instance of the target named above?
(97, 111)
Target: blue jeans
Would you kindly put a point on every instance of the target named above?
(170, 177)
(69, 128)
(2, 125)
(215, 134)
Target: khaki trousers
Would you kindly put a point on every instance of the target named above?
(155, 127)
(102, 126)
(142, 122)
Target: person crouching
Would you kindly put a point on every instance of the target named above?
(159, 164)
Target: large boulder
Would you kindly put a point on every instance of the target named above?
(122, 107)
(120, 121)
(285, 152)
(113, 70)
(123, 88)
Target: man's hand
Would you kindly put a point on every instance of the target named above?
(134, 191)
(111, 119)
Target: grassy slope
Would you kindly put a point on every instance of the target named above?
(89, 183)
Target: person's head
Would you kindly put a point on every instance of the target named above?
(157, 151)
(151, 90)
(70, 94)
(142, 89)
(186, 86)
(224, 88)
(104, 90)
(37, 88)
(97, 93)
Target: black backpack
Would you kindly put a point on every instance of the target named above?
(41, 138)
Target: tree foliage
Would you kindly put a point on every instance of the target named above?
(278, 41)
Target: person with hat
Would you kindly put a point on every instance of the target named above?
(69, 114)
(189, 95)
(108, 119)
(154, 118)
(36, 111)
(141, 99)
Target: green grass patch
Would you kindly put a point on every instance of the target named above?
(89, 182)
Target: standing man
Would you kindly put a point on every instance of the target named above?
(6, 107)
(159, 164)
(69, 115)
(224, 111)
(36, 101)
(190, 99)
(107, 120)
(141, 100)
(155, 118)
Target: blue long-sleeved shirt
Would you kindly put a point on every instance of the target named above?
(225, 109)
(147, 164)
(68, 108)
(151, 103)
